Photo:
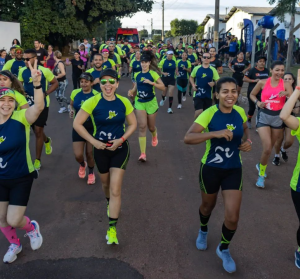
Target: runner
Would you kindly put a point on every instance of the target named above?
(17, 172)
(108, 111)
(163, 51)
(40, 123)
(11, 55)
(126, 48)
(96, 71)
(239, 66)
(217, 64)
(253, 76)
(145, 100)
(59, 72)
(179, 51)
(135, 66)
(203, 79)
(50, 59)
(269, 124)
(7, 79)
(193, 58)
(78, 97)
(293, 123)
(2, 58)
(107, 62)
(77, 68)
(113, 55)
(156, 54)
(183, 69)
(168, 67)
(41, 53)
(223, 127)
(94, 50)
(14, 65)
(142, 44)
(289, 139)
(232, 49)
(84, 55)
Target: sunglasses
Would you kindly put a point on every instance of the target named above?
(27, 59)
(206, 57)
(111, 81)
(19, 52)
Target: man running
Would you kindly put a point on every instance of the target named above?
(96, 70)
(30, 56)
(15, 64)
(41, 53)
(203, 79)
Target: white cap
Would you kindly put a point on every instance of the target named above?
(170, 52)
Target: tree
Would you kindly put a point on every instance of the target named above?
(61, 21)
(112, 28)
(283, 7)
(183, 27)
(156, 39)
(168, 34)
(200, 31)
(143, 33)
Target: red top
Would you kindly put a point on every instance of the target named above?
(270, 95)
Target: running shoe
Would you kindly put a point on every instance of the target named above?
(36, 239)
(62, 110)
(48, 147)
(12, 252)
(190, 94)
(183, 98)
(91, 179)
(82, 172)
(170, 111)
(201, 242)
(276, 161)
(260, 183)
(284, 155)
(143, 158)
(123, 75)
(127, 74)
(258, 169)
(228, 262)
(179, 106)
(224, 65)
(162, 102)
(249, 124)
(297, 258)
(69, 108)
(37, 164)
(155, 140)
(111, 236)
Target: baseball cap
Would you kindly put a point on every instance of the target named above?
(170, 52)
(261, 57)
(145, 57)
(86, 76)
(5, 91)
(105, 50)
(109, 72)
(190, 47)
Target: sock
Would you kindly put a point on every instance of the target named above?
(28, 227)
(82, 164)
(47, 140)
(113, 222)
(91, 170)
(283, 150)
(163, 97)
(227, 236)
(107, 200)
(154, 134)
(179, 96)
(203, 221)
(11, 235)
(170, 102)
(262, 169)
(298, 239)
(249, 117)
(142, 141)
(277, 155)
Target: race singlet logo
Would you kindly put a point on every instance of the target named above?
(2, 166)
(230, 127)
(142, 79)
(204, 75)
(170, 64)
(108, 135)
(2, 139)
(111, 114)
(218, 158)
(200, 92)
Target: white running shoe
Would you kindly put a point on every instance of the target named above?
(161, 103)
(12, 252)
(170, 111)
(183, 98)
(62, 110)
(69, 108)
(36, 239)
(179, 106)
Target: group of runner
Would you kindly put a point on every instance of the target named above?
(99, 137)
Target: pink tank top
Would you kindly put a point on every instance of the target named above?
(270, 95)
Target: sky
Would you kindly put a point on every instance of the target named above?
(182, 9)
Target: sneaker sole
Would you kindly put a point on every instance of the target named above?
(38, 228)
(220, 256)
(142, 160)
(276, 164)
(15, 257)
(93, 182)
(296, 261)
(110, 243)
(259, 186)
(283, 159)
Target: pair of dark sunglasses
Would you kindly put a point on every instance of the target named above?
(206, 57)
(27, 59)
(111, 81)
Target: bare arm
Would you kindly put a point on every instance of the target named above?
(24, 106)
(259, 86)
(192, 81)
(53, 87)
(247, 69)
(62, 70)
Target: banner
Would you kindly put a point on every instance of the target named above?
(249, 30)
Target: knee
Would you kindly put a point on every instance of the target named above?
(207, 208)
(3, 221)
(38, 132)
(142, 127)
(267, 151)
(151, 128)
(79, 157)
(89, 154)
(14, 222)
(232, 218)
(115, 193)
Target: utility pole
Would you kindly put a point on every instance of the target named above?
(151, 27)
(226, 9)
(105, 31)
(216, 29)
(163, 20)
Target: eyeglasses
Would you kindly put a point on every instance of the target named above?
(111, 81)
(27, 59)
(206, 57)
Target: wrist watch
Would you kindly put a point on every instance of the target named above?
(37, 87)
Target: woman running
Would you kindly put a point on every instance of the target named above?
(183, 69)
(107, 63)
(50, 59)
(293, 123)
(289, 139)
(135, 66)
(168, 68)
(217, 64)
(7, 79)
(59, 72)
(77, 68)
(232, 50)
(223, 127)
(239, 66)
(269, 124)
(109, 111)
(78, 97)
(145, 100)
(83, 55)
(16, 168)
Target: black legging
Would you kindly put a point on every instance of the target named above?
(252, 105)
(76, 82)
(183, 84)
(296, 200)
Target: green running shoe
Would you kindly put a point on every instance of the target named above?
(48, 147)
(37, 164)
(111, 236)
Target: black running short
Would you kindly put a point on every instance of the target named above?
(202, 103)
(76, 137)
(42, 119)
(106, 159)
(232, 54)
(168, 81)
(238, 78)
(211, 179)
(16, 191)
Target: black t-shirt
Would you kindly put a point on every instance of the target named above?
(41, 53)
(8, 57)
(216, 63)
(239, 66)
(253, 74)
(75, 70)
(93, 52)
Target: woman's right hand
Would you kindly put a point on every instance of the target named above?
(130, 94)
(99, 145)
(227, 134)
(71, 113)
(261, 104)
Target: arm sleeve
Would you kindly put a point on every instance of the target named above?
(112, 62)
(128, 106)
(90, 104)
(204, 118)
(189, 64)
(119, 59)
(155, 76)
(48, 74)
(161, 63)
(194, 72)
(242, 113)
(20, 116)
(7, 66)
(296, 132)
(73, 94)
(20, 99)
(215, 74)
(249, 74)
(131, 63)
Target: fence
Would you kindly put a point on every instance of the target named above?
(187, 39)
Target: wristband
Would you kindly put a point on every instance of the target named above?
(298, 88)
(249, 140)
(123, 139)
(37, 87)
(256, 101)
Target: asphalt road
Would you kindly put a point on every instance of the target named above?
(159, 219)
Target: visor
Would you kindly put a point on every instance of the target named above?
(5, 91)
(86, 76)
(6, 74)
(170, 52)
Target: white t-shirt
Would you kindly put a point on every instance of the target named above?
(87, 47)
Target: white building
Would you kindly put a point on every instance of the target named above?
(209, 24)
(235, 18)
